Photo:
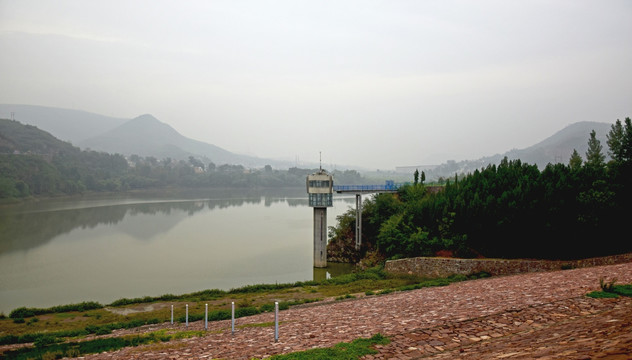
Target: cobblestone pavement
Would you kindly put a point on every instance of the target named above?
(536, 315)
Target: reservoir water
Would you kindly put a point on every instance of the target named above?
(63, 251)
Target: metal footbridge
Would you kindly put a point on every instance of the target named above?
(388, 187)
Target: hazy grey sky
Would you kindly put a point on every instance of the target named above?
(370, 83)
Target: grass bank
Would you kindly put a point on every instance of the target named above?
(48, 329)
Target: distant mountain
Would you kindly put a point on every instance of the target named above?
(68, 125)
(17, 138)
(147, 136)
(554, 149)
(144, 135)
(559, 147)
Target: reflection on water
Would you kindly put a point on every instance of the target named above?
(65, 251)
(32, 224)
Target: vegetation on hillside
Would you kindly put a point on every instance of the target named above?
(34, 163)
(511, 210)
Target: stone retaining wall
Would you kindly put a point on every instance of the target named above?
(441, 267)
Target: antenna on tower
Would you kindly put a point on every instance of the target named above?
(320, 159)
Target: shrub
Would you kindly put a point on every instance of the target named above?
(602, 295)
(219, 315)
(623, 290)
(108, 328)
(353, 350)
(266, 307)
(210, 294)
(52, 355)
(8, 339)
(21, 312)
(45, 340)
(607, 286)
(73, 353)
(247, 311)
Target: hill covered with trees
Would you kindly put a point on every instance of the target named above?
(35, 163)
(510, 210)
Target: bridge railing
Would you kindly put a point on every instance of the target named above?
(386, 187)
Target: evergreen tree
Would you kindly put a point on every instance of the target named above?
(594, 157)
(627, 141)
(575, 162)
(615, 141)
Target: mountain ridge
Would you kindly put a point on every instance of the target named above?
(556, 148)
(65, 124)
(91, 130)
(147, 136)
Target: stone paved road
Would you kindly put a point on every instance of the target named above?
(536, 315)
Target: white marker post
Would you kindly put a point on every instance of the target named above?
(187, 316)
(232, 317)
(276, 321)
(171, 314)
(206, 317)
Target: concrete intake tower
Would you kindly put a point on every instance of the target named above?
(320, 190)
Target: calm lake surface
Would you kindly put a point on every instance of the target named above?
(64, 251)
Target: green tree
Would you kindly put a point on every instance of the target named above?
(394, 237)
(620, 141)
(615, 139)
(575, 162)
(195, 162)
(8, 188)
(594, 157)
(627, 141)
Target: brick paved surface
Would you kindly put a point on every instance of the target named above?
(537, 315)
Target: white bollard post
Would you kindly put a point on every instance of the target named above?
(276, 321)
(171, 314)
(232, 317)
(206, 317)
(187, 316)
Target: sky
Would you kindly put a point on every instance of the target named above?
(376, 84)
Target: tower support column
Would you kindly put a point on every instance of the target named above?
(320, 237)
(358, 227)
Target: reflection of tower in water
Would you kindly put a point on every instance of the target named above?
(320, 192)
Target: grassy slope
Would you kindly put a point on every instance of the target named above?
(76, 325)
